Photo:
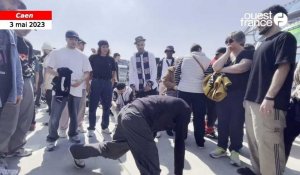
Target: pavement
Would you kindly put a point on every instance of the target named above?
(197, 161)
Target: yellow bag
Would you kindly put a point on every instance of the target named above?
(215, 86)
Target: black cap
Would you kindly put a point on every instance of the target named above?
(81, 41)
(170, 48)
(72, 34)
(103, 42)
(221, 50)
(116, 55)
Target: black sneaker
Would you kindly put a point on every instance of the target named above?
(79, 163)
(200, 145)
(245, 171)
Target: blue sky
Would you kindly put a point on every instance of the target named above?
(162, 22)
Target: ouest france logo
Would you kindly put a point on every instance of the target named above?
(263, 19)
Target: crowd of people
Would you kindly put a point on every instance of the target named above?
(263, 96)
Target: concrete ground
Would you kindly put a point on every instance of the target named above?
(197, 161)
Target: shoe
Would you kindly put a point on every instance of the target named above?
(217, 153)
(32, 127)
(211, 135)
(91, 133)
(170, 133)
(62, 133)
(45, 123)
(75, 139)
(79, 163)
(81, 129)
(201, 145)
(4, 171)
(22, 152)
(50, 146)
(3, 163)
(106, 131)
(158, 135)
(245, 171)
(235, 158)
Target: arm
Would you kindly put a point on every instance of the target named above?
(19, 78)
(277, 82)
(114, 77)
(181, 129)
(219, 64)
(51, 71)
(243, 66)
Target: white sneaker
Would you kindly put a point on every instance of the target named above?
(91, 133)
(158, 135)
(81, 129)
(22, 152)
(50, 146)
(75, 139)
(235, 159)
(4, 171)
(62, 133)
(106, 131)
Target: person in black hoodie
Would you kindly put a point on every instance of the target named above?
(136, 124)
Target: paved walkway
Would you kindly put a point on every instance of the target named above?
(197, 161)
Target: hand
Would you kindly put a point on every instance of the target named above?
(147, 88)
(175, 88)
(132, 86)
(228, 50)
(19, 99)
(267, 106)
(76, 83)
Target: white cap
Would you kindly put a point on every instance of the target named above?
(47, 46)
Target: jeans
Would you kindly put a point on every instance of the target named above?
(198, 106)
(100, 89)
(57, 108)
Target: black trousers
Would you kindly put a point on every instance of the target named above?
(291, 131)
(231, 119)
(132, 133)
(197, 103)
(141, 94)
(211, 112)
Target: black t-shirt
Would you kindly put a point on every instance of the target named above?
(239, 81)
(5, 67)
(26, 56)
(273, 51)
(165, 112)
(102, 67)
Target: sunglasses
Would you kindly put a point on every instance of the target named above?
(229, 41)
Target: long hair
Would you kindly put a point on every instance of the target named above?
(99, 52)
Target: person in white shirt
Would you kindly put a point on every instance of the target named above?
(68, 58)
(189, 76)
(143, 70)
